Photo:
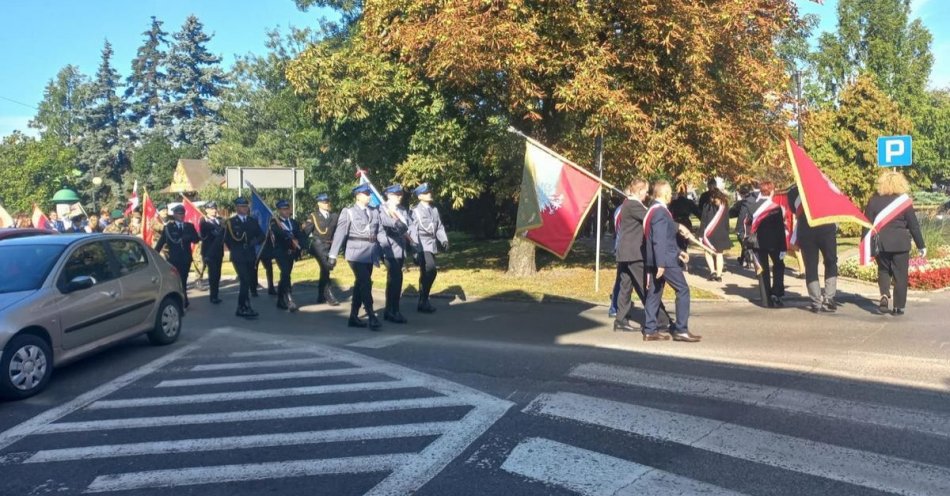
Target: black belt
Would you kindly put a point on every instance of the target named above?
(362, 238)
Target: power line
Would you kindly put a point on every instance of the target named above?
(18, 102)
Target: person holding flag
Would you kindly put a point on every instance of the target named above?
(211, 230)
(427, 233)
(179, 236)
(286, 235)
(394, 241)
(242, 234)
(888, 240)
(767, 236)
(358, 227)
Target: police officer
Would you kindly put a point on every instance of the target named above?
(320, 229)
(241, 234)
(394, 241)
(426, 232)
(358, 227)
(211, 229)
(179, 235)
(286, 234)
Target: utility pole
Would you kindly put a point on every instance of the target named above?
(798, 107)
(599, 157)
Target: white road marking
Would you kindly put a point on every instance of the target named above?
(14, 434)
(876, 471)
(252, 394)
(770, 397)
(233, 379)
(595, 474)
(279, 351)
(380, 342)
(241, 442)
(484, 318)
(262, 363)
(249, 415)
(248, 472)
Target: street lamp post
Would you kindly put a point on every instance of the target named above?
(798, 106)
(96, 182)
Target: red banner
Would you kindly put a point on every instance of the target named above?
(822, 201)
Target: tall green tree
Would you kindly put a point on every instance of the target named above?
(145, 86)
(31, 170)
(932, 137)
(65, 99)
(194, 84)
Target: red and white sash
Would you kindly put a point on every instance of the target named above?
(657, 206)
(883, 218)
(712, 226)
(760, 214)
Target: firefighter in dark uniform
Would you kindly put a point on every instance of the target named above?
(427, 233)
(265, 258)
(179, 236)
(242, 233)
(358, 227)
(394, 242)
(286, 233)
(211, 229)
(320, 228)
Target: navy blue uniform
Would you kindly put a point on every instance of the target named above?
(662, 251)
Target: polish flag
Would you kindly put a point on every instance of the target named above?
(133, 200)
(149, 215)
(40, 220)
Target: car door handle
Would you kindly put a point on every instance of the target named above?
(154, 280)
(113, 294)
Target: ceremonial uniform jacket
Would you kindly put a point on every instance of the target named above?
(359, 228)
(320, 229)
(426, 229)
(212, 238)
(393, 235)
(661, 247)
(286, 232)
(895, 236)
(179, 241)
(241, 238)
(630, 232)
(770, 235)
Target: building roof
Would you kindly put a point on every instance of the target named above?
(192, 175)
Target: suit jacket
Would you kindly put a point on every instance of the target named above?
(212, 238)
(426, 229)
(242, 238)
(771, 233)
(630, 232)
(359, 229)
(179, 241)
(393, 235)
(895, 236)
(286, 232)
(661, 247)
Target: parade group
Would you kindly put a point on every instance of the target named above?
(652, 233)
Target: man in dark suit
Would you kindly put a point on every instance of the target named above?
(241, 234)
(663, 261)
(179, 236)
(630, 251)
(286, 232)
(320, 229)
(211, 229)
(767, 236)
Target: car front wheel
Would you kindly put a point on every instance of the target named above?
(167, 323)
(27, 364)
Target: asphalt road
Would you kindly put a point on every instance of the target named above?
(488, 397)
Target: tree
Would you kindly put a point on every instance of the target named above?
(60, 114)
(104, 146)
(677, 88)
(932, 136)
(32, 170)
(145, 86)
(194, 83)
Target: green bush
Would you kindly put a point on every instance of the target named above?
(935, 231)
(929, 198)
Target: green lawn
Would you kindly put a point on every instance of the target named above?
(476, 268)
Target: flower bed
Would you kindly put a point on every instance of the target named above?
(925, 273)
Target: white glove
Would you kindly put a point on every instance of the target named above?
(781, 255)
(922, 252)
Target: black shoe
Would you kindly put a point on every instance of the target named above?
(356, 322)
(398, 318)
(291, 306)
(321, 299)
(272, 291)
(718, 278)
(883, 305)
(330, 299)
(831, 306)
(623, 326)
(254, 293)
(426, 307)
(814, 308)
(775, 301)
(374, 323)
(898, 312)
(281, 304)
(215, 301)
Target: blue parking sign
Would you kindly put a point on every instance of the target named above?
(895, 151)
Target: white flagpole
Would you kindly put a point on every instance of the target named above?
(599, 158)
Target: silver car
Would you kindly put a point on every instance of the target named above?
(66, 296)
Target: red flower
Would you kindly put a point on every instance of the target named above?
(931, 279)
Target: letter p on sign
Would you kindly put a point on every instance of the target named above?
(894, 151)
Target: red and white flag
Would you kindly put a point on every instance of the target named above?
(192, 215)
(555, 197)
(133, 202)
(822, 201)
(40, 220)
(149, 215)
(5, 219)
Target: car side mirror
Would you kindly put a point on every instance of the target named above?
(79, 283)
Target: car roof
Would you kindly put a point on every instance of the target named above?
(59, 239)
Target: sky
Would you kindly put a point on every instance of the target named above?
(39, 37)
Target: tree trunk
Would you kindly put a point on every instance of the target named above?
(521, 257)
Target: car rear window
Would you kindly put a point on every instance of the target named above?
(130, 254)
(25, 267)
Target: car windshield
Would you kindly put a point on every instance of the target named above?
(25, 267)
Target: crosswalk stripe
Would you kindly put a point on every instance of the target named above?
(848, 465)
(253, 394)
(279, 351)
(234, 379)
(246, 472)
(770, 397)
(380, 342)
(594, 474)
(249, 415)
(241, 442)
(262, 363)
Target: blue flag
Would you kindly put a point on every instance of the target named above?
(375, 199)
(262, 213)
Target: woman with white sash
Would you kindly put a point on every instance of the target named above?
(714, 226)
(895, 223)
